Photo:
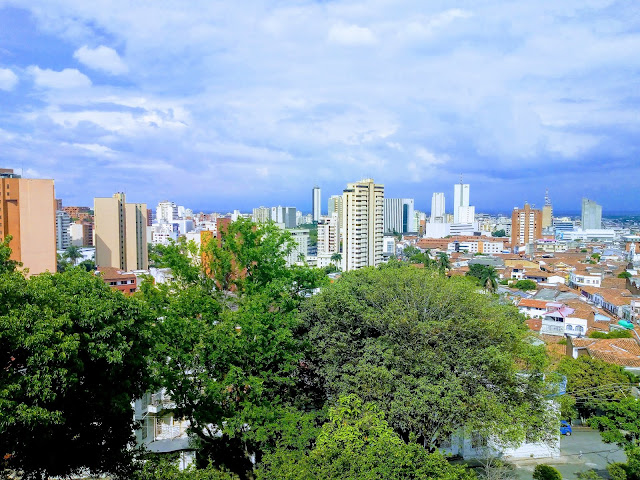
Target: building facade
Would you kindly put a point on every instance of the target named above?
(316, 205)
(63, 232)
(362, 224)
(591, 215)
(121, 233)
(437, 208)
(526, 226)
(461, 200)
(27, 213)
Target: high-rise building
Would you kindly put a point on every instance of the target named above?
(316, 205)
(27, 213)
(121, 233)
(335, 205)
(399, 216)
(329, 234)
(437, 208)
(166, 211)
(547, 211)
(63, 233)
(58, 204)
(362, 224)
(526, 226)
(284, 215)
(461, 211)
(591, 215)
(261, 214)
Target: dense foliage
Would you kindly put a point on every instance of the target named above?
(433, 355)
(74, 356)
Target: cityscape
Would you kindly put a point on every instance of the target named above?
(319, 240)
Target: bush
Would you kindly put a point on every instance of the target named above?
(588, 475)
(617, 471)
(546, 472)
(526, 285)
(611, 334)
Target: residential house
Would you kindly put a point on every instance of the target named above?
(126, 282)
(559, 320)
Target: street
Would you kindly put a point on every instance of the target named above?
(583, 450)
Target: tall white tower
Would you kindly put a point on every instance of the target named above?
(316, 208)
(437, 207)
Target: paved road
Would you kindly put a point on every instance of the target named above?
(584, 450)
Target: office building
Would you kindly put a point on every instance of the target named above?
(63, 234)
(526, 226)
(399, 215)
(316, 205)
(121, 233)
(284, 215)
(261, 214)
(461, 209)
(591, 215)
(362, 224)
(547, 211)
(437, 208)
(27, 213)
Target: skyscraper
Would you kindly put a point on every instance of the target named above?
(462, 212)
(547, 211)
(63, 233)
(363, 224)
(27, 213)
(335, 205)
(591, 215)
(526, 226)
(437, 208)
(121, 233)
(399, 216)
(316, 204)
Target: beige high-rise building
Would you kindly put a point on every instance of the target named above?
(547, 211)
(28, 214)
(526, 226)
(362, 224)
(120, 233)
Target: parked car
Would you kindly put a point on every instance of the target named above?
(565, 428)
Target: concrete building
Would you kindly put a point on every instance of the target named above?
(167, 211)
(526, 226)
(121, 233)
(27, 213)
(329, 234)
(437, 208)
(316, 205)
(335, 205)
(261, 214)
(301, 246)
(461, 200)
(63, 233)
(286, 216)
(399, 215)
(547, 211)
(591, 215)
(362, 224)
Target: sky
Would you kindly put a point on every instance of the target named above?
(221, 105)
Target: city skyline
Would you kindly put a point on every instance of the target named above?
(223, 107)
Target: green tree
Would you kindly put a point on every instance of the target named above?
(7, 265)
(74, 356)
(433, 354)
(357, 443)
(624, 274)
(619, 422)
(499, 233)
(485, 275)
(526, 285)
(546, 472)
(617, 471)
(336, 258)
(444, 263)
(163, 469)
(73, 254)
(590, 379)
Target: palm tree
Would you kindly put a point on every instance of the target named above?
(443, 262)
(336, 258)
(73, 254)
(489, 279)
(428, 261)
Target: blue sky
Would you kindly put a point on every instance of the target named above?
(220, 105)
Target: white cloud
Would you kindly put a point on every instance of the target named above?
(8, 79)
(101, 58)
(351, 35)
(65, 79)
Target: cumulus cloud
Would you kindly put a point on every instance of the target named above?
(68, 78)
(101, 58)
(351, 35)
(8, 79)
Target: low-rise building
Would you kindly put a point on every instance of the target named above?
(125, 282)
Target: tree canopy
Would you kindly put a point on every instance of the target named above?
(432, 354)
(74, 356)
